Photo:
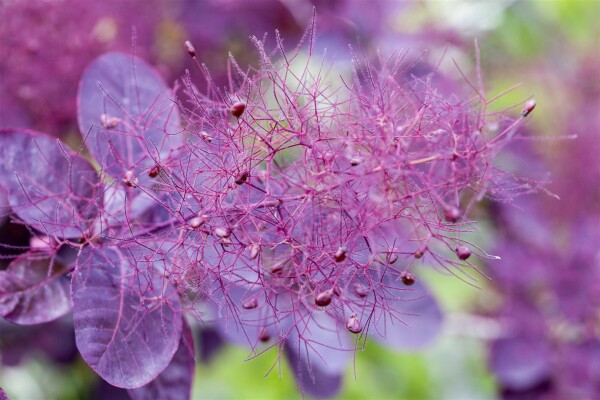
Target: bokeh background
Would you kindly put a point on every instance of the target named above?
(531, 331)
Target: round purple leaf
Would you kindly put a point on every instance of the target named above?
(127, 115)
(127, 320)
(34, 290)
(50, 187)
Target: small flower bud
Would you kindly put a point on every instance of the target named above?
(241, 178)
(109, 122)
(264, 336)
(361, 290)
(154, 171)
(277, 269)
(253, 251)
(353, 324)
(419, 254)
(130, 180)
(190, 48)
(407, 278)
(237, 109)
(391, 258)
(206, 136)
(222, 232)
(323, 299)
(452, 214)
(250, 304)
(463, 252)
(340, 254)
(529, 106)
(197, 222)
(354, 161)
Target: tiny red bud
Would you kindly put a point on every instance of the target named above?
(360, 290)
(253, 251)
(277, 269)
(264, 336)
(190, 48)
(340, 254)
(237, 109)
(407, 278)
(154, 171)
(463, 252)
(222, 232)
(206, 136)
(241, 178)
(130, 180)
(323, 299)
(354, 161)
(452, 214)
(353, 324)
(392, 258)
(250, 304)
(419, 254)
(109, 122)
(529, 106)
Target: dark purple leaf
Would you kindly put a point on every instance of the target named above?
(4, 206)
(50, 187)
(175, 382)
(127, 116)
(210, 342)
(127, 317)
(54, 340)
(33, 290)
(319, 352)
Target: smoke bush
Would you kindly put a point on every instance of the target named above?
(291, 209)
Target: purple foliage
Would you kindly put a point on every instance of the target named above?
(127, 116)
(127, 319)
(3, 395)
(549, 275)
(175, 382)
(51, 188)
(34, 290)
(298, 211)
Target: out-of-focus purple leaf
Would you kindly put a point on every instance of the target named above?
(175, 382)
(319, 353)
(126, 114)
(127, 317)
(3, 395)
(54, 340)
(520, 362)
(210, 342)
(404, 318)
(34, 290)
(309, 377)
(50, 187)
